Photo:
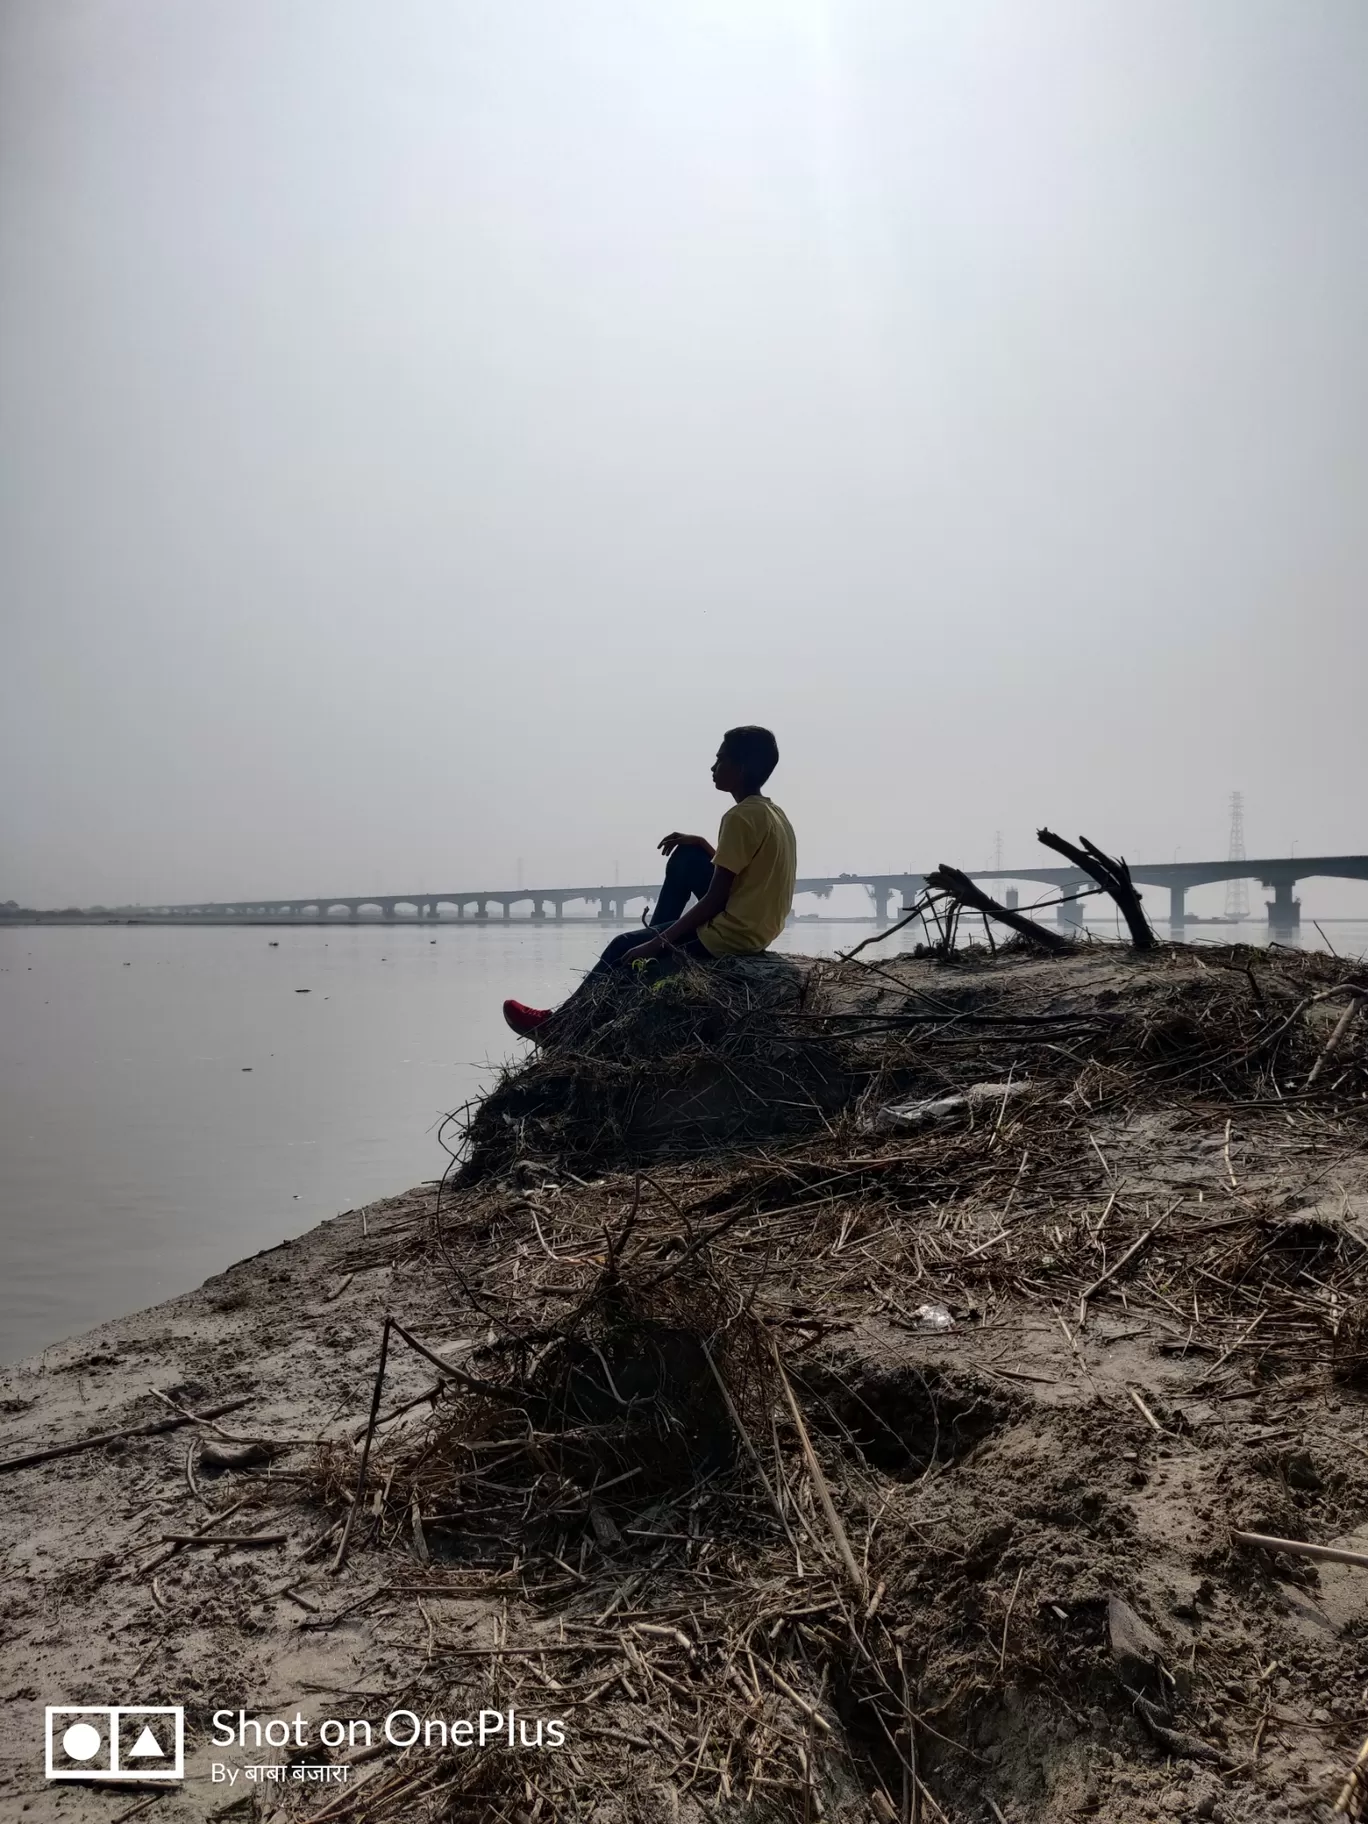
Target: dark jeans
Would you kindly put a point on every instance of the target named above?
(688, 875)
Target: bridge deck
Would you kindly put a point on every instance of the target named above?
(1277, 872)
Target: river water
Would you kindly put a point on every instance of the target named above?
(172, 1098)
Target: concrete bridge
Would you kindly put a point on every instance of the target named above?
(1279, 875)
(887, 893)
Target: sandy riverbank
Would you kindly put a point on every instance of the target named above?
(988, 1567)
(291, 1335)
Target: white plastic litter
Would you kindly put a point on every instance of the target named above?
(937, 1111)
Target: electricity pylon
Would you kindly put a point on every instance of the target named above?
(1237, 891)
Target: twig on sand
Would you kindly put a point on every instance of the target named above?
(1356, 1785)
(1007, 1619)
(231, 1437)
(1111, 1273)
(137, 1810)
(224, 1538)
(1336, 1039)
(397, 1412)
(447, 1368)
(747, 1441)
(155, 1564)
(819, 1481)
(805, 1704)
(1146, 1414)
(345, 1540)
(149, 1430)
(1302, 1548)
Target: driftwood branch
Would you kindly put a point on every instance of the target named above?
(1332, 1044)
(1302, 1548)
(149, 1430)
(1112, 875)
(966, 893)
(912, 912)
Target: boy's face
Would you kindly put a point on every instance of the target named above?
(726, 774)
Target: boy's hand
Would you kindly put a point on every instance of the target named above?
(644, 952)
(678, 840)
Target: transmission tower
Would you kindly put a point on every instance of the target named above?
(1237, 891)
(997, 850)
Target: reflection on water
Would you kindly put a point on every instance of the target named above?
(172, 1099)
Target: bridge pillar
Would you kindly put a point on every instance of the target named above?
(1284, 912)
(1177, 905)
(1069, 911)
(559, 904)
(539, 908)
(605, 910)
(1011, 899)
(482, 908)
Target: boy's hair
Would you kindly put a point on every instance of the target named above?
(754, 750)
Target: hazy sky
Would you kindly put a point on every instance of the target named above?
(427, 424)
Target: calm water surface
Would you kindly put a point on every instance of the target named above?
(170, 1101)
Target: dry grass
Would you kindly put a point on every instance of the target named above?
(751, 1610)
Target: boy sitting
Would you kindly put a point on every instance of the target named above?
(743, 888)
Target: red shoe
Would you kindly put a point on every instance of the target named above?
(525, 1021)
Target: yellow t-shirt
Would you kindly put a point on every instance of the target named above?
(756, 844)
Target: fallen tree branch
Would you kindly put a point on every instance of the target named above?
(1332, 1044)
(149, 1430)
(1112, 875)
(964, 892)
(912, 912)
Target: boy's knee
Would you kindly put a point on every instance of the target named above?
(689, 864)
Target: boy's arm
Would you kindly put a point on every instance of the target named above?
(712, 902)
(678, 840)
